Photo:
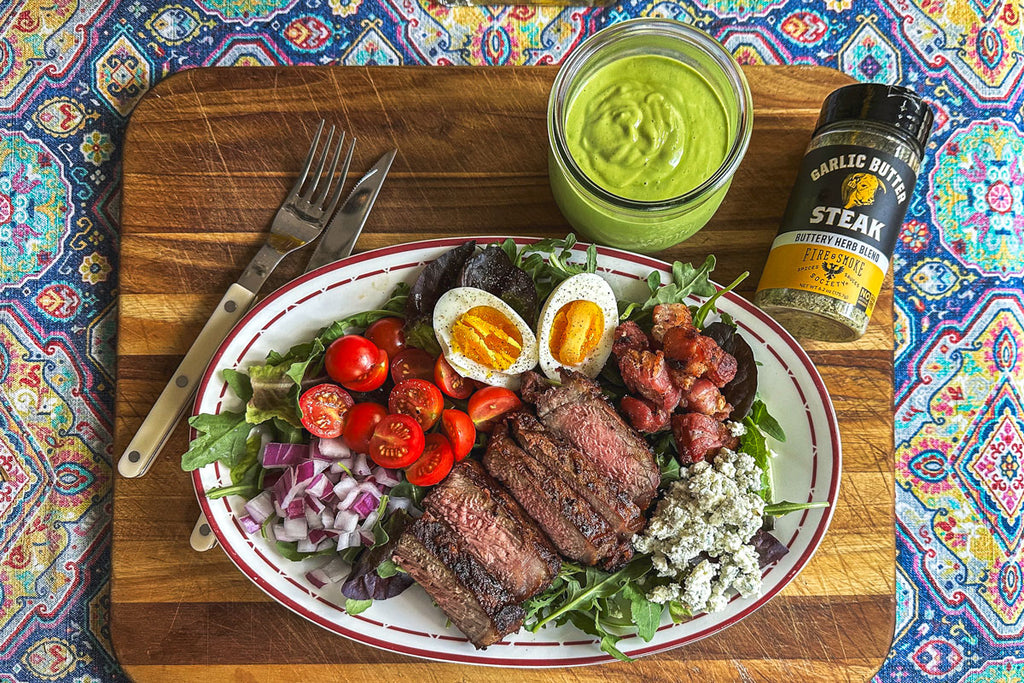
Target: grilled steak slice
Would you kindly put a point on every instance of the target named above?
(495, 529)
(577, 412)
(473, 599)
(568, 520)
(579, 472)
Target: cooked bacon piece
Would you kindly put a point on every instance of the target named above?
(628, 335)
(643, 415)
(704, 397)
(645, 373)
(698, 436)
(666, 316)
(698, 355)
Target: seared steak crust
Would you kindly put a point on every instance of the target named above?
(495, 529)
(473, 599)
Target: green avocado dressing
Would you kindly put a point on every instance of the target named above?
(647, 128)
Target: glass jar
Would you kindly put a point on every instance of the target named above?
(607, 214)
(835, 240)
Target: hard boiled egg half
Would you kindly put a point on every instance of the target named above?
(577, 326)
(483, 338)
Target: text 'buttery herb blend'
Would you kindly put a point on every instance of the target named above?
(832, 251)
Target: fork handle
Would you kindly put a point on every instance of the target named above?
(202, 538)
(164, 415)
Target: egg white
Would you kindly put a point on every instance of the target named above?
(457, 301)
(582, 287)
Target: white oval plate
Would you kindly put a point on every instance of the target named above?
(808, 468)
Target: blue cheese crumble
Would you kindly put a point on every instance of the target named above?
(700, 533)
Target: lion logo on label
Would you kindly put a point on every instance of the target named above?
(859, 189)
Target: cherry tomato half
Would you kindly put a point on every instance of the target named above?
(360, 421)
(397, 441)
(451, 382)
(459, 429)
(323, 409)
(490, 403)
(435, 463)
(387, 334)
(412, 363)
(356, 363)
(419, 399)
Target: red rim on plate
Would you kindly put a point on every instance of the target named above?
(264, 567)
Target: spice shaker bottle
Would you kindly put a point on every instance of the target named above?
(833, 247)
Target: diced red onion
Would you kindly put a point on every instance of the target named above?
(305, 546)
(270, 478)
(329, 449)
(360, 468)
(327, 519)
(296, 527)
(348, 540)
(314, 504)
(368, 523)
(346, 521)
(366, 537)
(386, 477)
(317, 577)
(365, 504)
(295, 509)
(250, 525)
(283, 454)
(319, 487)
(313, 520)
(343, 487)
(399, 504)
(326, 544)
(260, 507)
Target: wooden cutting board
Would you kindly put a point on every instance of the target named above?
(208, 156)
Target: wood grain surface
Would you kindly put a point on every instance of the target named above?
(208, 156)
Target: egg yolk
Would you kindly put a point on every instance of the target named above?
(486, 335)
(575, 331)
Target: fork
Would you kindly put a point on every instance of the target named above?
(299, 220)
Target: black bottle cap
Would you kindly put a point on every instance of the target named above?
(889, 105)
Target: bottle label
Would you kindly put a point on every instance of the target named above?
(841, 224)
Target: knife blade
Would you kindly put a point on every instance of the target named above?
(340, 235)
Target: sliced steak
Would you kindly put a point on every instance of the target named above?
(473, 599)
(577, 412)
(566, 518)
(579, 472)
(495, 529)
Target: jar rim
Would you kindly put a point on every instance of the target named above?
(662, 27)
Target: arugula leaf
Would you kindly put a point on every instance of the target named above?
(753, 444)
(709, 305)
(357, 606)
(645, 613)
(678, 613)
(685, 280)
(548, 272)
(247, 467)
(765, 422)
(785, 507)
(222, 437)
(239, 383)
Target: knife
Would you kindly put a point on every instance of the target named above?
(341, 233)
(337, 242)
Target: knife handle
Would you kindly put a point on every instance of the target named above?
(164, 415)
(202, 538)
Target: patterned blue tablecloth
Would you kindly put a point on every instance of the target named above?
(71, 71)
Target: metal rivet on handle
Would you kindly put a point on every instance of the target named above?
(134, 456)
(204, 529)
(182, 381)
(230, 306)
